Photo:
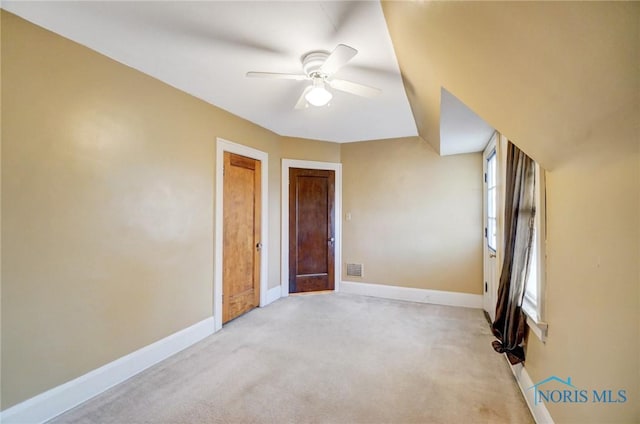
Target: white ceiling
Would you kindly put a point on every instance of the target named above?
(461, 130)
(206, 48)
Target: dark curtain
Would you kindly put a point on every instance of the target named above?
(509, 325)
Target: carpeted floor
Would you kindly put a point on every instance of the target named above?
(328, 358)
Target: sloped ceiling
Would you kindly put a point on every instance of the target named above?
(542, 73)
(205, 48)
(461, 130)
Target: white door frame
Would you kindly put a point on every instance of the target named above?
(490, 259)
(284, 260)
(228, 146)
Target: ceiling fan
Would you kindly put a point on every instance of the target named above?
(319, 68)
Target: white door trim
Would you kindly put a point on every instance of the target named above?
(490, 277)
(228, 146)
(292, 163)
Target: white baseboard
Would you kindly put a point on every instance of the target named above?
(273, 294)
(438, 297)
(54, 402)
(540, 412)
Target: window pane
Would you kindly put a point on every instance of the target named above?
(532, 282)
(491, 201)
(492, 170)
(533, 295)
(491, 233)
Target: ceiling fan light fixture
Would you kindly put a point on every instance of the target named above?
(318, 95)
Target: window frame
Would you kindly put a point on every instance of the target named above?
(492, 156)
(534, 308)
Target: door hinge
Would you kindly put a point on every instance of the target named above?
(485, 232)
(485, 177)
(486, 287)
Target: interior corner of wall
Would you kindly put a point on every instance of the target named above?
(435, 145)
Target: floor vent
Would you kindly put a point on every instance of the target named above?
(354, 270)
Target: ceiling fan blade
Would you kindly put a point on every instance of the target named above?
(273, 75)
(302, 102)
(337, 59)
(354, 88)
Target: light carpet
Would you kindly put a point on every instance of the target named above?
(328, 358)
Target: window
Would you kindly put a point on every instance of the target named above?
(533, 296)
(531, 292)
(492, 204)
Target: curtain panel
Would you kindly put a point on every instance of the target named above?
(519, 210)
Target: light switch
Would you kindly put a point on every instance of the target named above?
(348, 216)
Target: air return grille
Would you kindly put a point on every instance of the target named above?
(354, 270)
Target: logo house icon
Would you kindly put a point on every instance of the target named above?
(567, 394)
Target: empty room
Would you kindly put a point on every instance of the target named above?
(320, 212)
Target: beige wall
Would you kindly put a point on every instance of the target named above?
(536, 71)
(561, 80)
(304, 149)
(107, 208)
(107, 193)
(0, 213)
(592, 299)
(108, 197)
(416, 217)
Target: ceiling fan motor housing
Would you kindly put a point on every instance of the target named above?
(319, 67)
(312, 62)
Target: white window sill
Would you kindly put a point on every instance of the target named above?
(538, 327)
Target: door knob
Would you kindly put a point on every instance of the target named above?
(331, 240)
(259, 246)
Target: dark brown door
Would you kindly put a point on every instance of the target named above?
(311, 230)
(241, 236)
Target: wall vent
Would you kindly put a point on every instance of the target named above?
(354, 270)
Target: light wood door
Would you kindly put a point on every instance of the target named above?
(241, 236)
(311, 230)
